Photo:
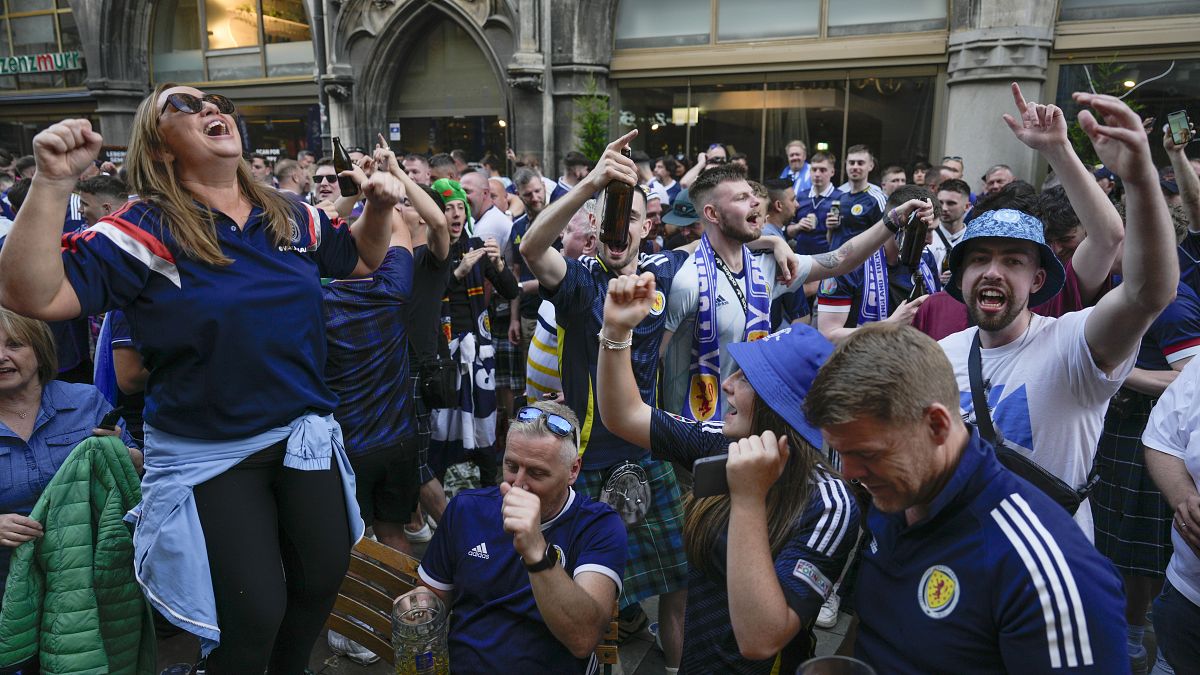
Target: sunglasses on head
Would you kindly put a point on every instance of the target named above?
(325, 178)
(557, 424)
(186, 103)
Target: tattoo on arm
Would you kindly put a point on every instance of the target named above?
(832, 259)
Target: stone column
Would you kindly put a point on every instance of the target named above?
(116, 107)
(526, 77)
(983, 64)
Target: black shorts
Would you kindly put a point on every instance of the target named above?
(386, 484)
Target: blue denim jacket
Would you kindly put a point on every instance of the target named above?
(168, 542)
(67, 415)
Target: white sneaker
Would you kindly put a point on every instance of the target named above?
(828, 616)
(343, 646)
(420, 536)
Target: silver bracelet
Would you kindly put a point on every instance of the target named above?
(613, 345)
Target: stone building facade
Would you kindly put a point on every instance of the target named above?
(918, 79)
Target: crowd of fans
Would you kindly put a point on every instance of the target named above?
(998, 474)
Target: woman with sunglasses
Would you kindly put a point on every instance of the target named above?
(248, 511)
(763, 559)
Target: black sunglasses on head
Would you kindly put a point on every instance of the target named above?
(186, 103)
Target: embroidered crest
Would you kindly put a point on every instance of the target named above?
(938, 592)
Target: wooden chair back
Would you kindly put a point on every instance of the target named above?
(606, 651)
(378, 574)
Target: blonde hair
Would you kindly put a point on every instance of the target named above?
(36, 334)
(193, 228)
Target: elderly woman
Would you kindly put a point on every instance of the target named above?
(41, 422)
(248, 511)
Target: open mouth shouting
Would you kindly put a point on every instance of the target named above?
(217, 128)
(991, 300)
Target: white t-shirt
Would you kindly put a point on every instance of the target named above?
(1047, 396)
(1174, 429)
(938, 246)
(731, 322)
(494, 223)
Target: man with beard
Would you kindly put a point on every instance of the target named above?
(729, 289)
(1049, 380)
(577, 288)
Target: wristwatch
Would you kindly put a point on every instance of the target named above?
(549, 559)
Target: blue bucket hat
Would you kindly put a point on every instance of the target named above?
(781, 367)
(1008, 224)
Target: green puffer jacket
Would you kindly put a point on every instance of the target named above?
(71, 597)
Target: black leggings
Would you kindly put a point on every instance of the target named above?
(278, 547)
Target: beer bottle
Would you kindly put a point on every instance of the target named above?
(618, 203)
(341, 162)
(912, 245)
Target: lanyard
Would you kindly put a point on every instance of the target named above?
(737, 288)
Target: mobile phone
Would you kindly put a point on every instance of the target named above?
(1180, 126)
(708, 476)
(110, 420)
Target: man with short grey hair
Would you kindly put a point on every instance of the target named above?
(996, 178)
(553, 555)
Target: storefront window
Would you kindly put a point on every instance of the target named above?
(892, 115)
(675, 23)
(44, 41)
(1093, 10)
(218, 40)
(866, 17)
(757, 19)
(1179, 89)
(665, 23)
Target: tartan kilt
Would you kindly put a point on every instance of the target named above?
(424, 431)
(510, 368)
(656, 562)
(1132, 520)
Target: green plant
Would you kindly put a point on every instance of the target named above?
(592, 113)
(1106, 78)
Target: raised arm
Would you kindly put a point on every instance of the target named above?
(621, 407)
(1044, 129)
(537, 246)
(693, 173)
(1150, 271)
(856, 250)
(1185, 177)
(372, 232)
(32, 279)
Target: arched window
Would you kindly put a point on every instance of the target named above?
(222, 40)
(39, 45)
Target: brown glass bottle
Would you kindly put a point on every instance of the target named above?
(912, 245)
(341, 162)
(618, 203)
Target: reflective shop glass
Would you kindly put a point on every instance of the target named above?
(681, 117)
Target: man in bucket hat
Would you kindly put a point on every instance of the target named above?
(1048, 381)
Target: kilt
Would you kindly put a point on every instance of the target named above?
(510, 369)
(656, 562)
(421, 416)
(1132, 520)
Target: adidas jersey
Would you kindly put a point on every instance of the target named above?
(495, 617)
(806, 568)
(579, 312)
(997, 579)
(859, 211)
(262, 316)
